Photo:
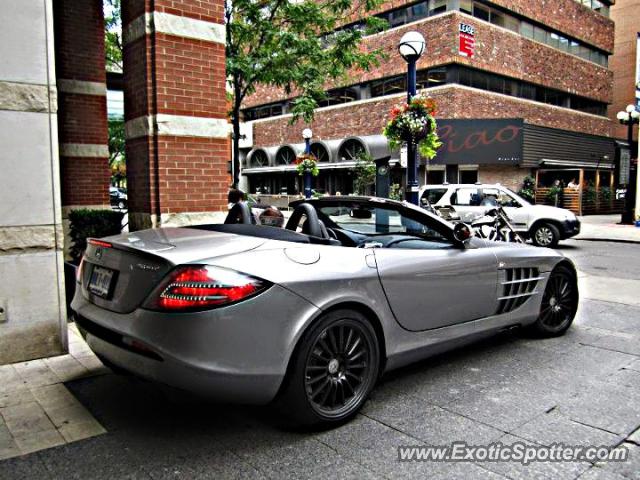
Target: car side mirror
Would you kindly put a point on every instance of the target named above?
(461, 233)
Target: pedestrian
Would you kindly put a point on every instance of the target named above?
(234, 196)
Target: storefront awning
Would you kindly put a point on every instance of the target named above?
(576, 164)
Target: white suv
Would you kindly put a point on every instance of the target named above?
(545, 225)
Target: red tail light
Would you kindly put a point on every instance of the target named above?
(99, 243)
(202, 287)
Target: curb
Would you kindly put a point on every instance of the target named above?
(611, 240)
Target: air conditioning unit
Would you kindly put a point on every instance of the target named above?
(246, 135)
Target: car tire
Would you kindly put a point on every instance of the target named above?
(333, 369)
(559, 304)
(545, 235)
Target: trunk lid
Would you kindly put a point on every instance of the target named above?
(125, 273)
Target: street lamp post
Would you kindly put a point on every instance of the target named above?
(307, 134)
(630, 117)
(411, 47)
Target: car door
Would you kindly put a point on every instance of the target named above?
(431, 284)
(466, 202)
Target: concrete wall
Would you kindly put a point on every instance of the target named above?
(31, 270)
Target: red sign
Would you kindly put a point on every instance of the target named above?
(467, 40)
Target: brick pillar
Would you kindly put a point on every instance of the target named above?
(82, 103)
(175, 111)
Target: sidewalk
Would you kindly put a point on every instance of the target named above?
(37, 411)
(606, 228)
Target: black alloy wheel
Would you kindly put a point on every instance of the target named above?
(559, 303)
(333, 370)
(337, 368)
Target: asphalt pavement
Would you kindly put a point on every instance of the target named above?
(580, 389)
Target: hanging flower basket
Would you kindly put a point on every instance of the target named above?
(307, 163)
(414, 122)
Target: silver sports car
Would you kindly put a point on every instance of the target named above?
(312, 314)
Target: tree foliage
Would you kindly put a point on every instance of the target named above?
(113, 35)
(364, 174)
(296, 46)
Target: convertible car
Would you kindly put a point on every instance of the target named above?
(310, 315)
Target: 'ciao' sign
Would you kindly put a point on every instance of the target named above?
(480, 141)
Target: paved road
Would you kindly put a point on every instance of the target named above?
(583, 388)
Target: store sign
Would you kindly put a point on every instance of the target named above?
(485, 141)
(467, 40)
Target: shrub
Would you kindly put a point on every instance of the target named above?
(528, 189)
(91, 223)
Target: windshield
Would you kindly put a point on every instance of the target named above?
(372, 220)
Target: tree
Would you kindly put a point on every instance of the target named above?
(113, 35)
(364, 174)
(117, 161)
(295, 46)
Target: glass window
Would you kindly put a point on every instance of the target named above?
(438, 6)
(437, 76)
(480, 80)
(466, 6)
(512, 23)
(564, 43)
(369, 220)
(497, 18)
(554, 40)
(540, 34)
(468, 176)
(469, 197)
(495, 84)
(433, 195)
(574, 47)
(480, 12)
(419, 10)
(503, 197)
(526, 29)
(388, 86)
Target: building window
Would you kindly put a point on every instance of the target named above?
(321, 153)
(339, 96)
(351, 150)
(258, 159)
(285, 156)
(389, 86)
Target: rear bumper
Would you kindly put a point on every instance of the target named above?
(570, 228)
(235, 354)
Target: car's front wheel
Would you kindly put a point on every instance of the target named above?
(333, 370)
(545, 235)
(559, 304)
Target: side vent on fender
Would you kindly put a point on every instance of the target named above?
(518, 285)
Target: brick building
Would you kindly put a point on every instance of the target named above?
(537, 69)
(53, 131)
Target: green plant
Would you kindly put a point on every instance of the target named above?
(296, 47)
(395, 192)
(364, 173)
(414, 122)
(554, 192)
(86, 223)
(307, 163)
(606, 193)
(528, 189)
(590, 193)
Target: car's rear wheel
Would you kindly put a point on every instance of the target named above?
(559, 304)
(333, 370)
(545, 235)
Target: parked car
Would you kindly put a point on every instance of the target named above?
(118, 197)
(543, 224)
(309, 316)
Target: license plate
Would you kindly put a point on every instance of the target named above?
(100, 283)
